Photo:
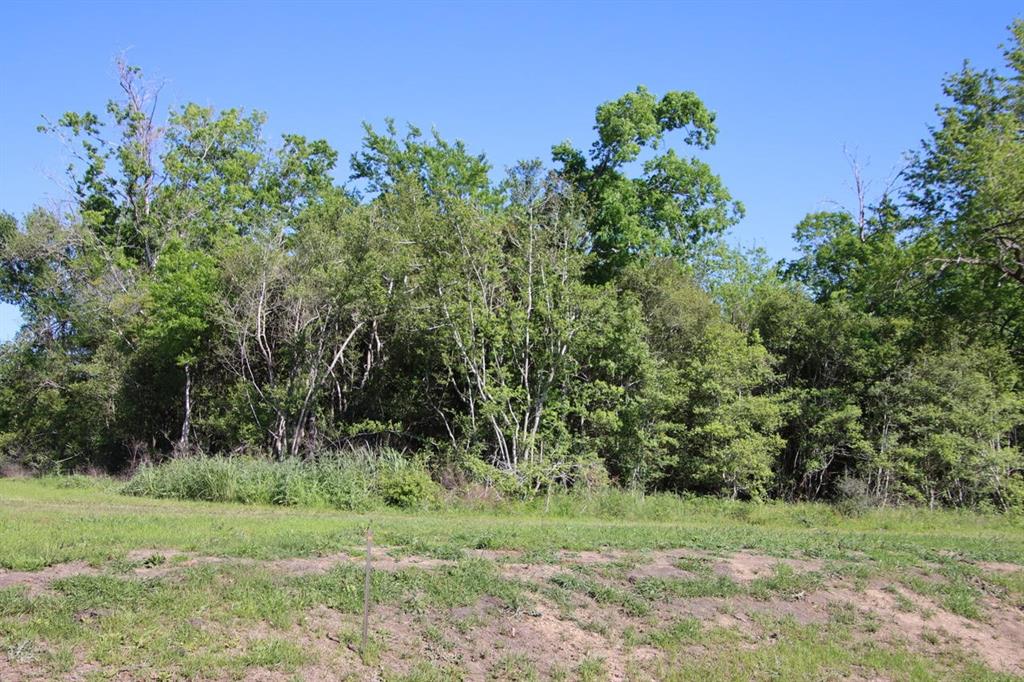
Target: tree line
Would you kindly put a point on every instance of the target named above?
(574, 322)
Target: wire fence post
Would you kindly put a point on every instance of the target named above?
(366, 592)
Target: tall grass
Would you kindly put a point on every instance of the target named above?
(362, 480)
(353, 480)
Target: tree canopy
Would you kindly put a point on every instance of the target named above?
(573, 323)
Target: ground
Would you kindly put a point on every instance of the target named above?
(96, 585)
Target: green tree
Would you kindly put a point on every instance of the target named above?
(966, 197)
(443, 170)
(716, 412)
(179, 310)
(948, 425)
(673, 204)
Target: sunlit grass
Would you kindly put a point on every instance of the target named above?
(42, 523)
(228, 618)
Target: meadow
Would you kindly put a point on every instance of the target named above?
(96, 584)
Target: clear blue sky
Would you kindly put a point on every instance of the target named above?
(791, 82)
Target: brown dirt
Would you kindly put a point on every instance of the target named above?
(479, 638)
(747, 566)
(35, 582)
(1000, 567)
(998, 640)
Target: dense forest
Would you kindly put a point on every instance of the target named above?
(578, 321)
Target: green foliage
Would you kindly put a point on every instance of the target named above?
(407, 487)
(964, 199)
(216, 302)
(843, 259)
(356, 480)
(181, 300)
(441, 169)
(950, 418)
(717, 417)
(672, 206)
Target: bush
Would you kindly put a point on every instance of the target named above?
(853, 497)
(408, 487)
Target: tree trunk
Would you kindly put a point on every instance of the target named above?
(186, 425)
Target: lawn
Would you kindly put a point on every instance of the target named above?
(98, 585)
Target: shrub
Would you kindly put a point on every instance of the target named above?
(408, 487)
(853, 497)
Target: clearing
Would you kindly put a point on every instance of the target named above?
(95, 585)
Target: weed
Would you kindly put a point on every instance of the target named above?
(704, 586)
(514, 668)
(683, 631)
(601, 593)
(784, 583)
(591, 670)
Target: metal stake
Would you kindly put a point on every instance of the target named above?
(366, 591)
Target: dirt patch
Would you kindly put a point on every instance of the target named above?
(603, 557)
(36, 582)
(323, 564)
(498, 640)
(747, 566)
(480, 639)
(1000, 567)
(149, 554)
(495, 554)
(547, 638)
(529, 572)
(998, 640)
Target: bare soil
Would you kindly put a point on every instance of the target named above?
(479, 639)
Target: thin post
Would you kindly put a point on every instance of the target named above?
(366, 591)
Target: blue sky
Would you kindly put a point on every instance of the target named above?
(792, 82)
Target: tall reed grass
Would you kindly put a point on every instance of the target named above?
(358, 479)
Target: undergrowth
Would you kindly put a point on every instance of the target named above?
(354, 480)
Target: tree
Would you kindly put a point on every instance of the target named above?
(672, 205)
(715, 411)
(506, 296)
(949, 427)
(829, 356)
(208, 290)
(966, 196)
(179, 310)
(442, 169)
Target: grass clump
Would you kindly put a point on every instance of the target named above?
(357, 480)
(784, 583)
(602, 594)
(719, 586)
(958, 590)
(514, 668)
(673, 635)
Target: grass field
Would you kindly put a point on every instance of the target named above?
(97, 585)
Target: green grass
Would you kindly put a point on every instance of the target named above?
(784, 583)
(43, 523)
(229, 618)
(1008, 585)
(153, 625)
(514, 668)
(720, 586)
(957, 587)
(810, 653)
(355, 480)
(673, 635)
(602, 594)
